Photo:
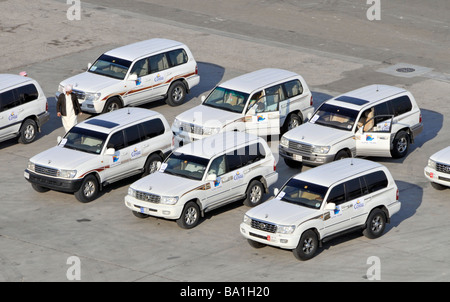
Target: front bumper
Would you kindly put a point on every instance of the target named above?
(53, 183)
(306, 158)
(154, 209)
(437, 177)
(284, 241)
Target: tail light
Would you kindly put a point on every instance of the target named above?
(396, 197)
(311, 101)
(46, 106)
(196, 69)
(274, 165)
(420, 118)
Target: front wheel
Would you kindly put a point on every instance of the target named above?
(89, 189)
(307, 246)
(112, 104)
(190, 216)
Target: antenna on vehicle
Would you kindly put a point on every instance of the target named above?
(128, 110)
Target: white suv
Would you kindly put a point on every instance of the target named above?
(438, 169)
(23, 108)
(135, 74)
(203, 176)
(322, 203)
(264, 102)
(375, 120)
(102, 150)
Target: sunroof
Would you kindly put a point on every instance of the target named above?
(102, 123)
(351, 100)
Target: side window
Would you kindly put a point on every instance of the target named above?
(117, 141)
(293, 88)
(254, 153)
(8, 100)
(234, 161)
(376, 181)
(158, 63)
(27, 93)
(401, 105)
(177, 57)
(132, 135)
(353, 189)
(218, 166)
(337, 195)
(140, 68)
(152, 128)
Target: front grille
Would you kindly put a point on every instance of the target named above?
(191, 128)
(45, 170)
(443, 168)
(148, 197)
(264, 226)
(300, 147)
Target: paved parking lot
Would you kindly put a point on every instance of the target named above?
(40, 232)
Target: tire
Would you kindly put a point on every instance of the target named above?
(190, 216)
(400, 145)
(341, 155)
(151, 164)
(89, 189)
(293, 163)
(293, 120)
(254, 194)
(176, 94)
(255, 244)
(112, 104)
(438, 186)
(375, 224)
(307, 246)
(39, 188)
(28, 131)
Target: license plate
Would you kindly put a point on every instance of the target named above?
(297, 157)
(26, 175)
(142, 210)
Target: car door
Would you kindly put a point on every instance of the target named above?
(141, 90)
(295, 99)
(221, 186)
(160, 75)
(374, 137)
(116, 164)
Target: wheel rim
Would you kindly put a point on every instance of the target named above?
(153, 166)
(29, 132)
(191, 216)
(308, 245)
(293, 123)
(377, 224)
(402, 145)
(255, 194)
(89, 188)
(113, 106)
(177, 94)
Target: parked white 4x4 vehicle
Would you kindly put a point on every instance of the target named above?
(100, 151)
(438, 169)
(203, 176)
(322, 203)
(23, 108)
(376, 120)
(264, 102)
(135, 74)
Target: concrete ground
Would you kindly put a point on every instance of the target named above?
(330, 43)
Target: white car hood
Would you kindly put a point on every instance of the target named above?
(314, 134)
(165, 184)
(207, 116)
(90, 82)
(281, 212)
(442, 156)
(62, 158)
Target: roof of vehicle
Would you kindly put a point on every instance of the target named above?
(258, 79)
(8, 80)
(210, 146)
(108, 122)
(365, 96)
(136, 50)
(330, 173)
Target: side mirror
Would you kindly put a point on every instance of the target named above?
(330, 206)
(158, 165)
(211, 177)
(132, 77)
(276, 191)
(89, 65)
(310, 115)
(58, 139)
(110, 151)
(202, 98)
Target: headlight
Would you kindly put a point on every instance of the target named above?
(30, 166)
(247, 220)
(171, 200)
(61, 88)
(431, 163)
(285, 229)
(284, 142)
(131, 192)
(176, 123)
(92, 97)
(211, 130)
(66, 173)
(321, 149)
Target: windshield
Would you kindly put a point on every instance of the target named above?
(111, 67)
(187, 166)
(335, 117)
(84, 140)
(303, 193)
(226, 99)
